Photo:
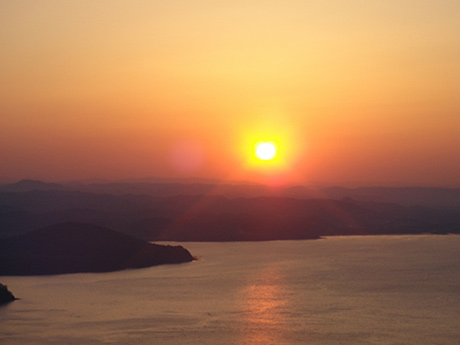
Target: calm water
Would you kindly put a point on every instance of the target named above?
(342, 290)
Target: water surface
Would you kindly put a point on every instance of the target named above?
(338, 290)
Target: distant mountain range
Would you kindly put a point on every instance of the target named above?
(208, 212)
(407, 196)
(29, 185)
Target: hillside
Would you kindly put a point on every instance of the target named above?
(80, 247)
(218, 218)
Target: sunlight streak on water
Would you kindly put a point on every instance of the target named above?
(264, 298)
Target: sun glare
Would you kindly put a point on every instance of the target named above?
(266, 151)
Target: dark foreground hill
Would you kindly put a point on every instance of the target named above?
(80, 247)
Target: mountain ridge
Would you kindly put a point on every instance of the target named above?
(436, 197)
(219, 218)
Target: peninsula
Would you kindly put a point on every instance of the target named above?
(80, 247)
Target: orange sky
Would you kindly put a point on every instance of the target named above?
(355, 92)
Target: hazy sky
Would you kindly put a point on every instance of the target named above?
(354, 92)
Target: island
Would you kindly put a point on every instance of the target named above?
(82, 248)
(5, 295)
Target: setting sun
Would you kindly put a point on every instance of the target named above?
(269, 149)
(284, 147)
(265, 151)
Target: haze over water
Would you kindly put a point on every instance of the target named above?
(340, 290)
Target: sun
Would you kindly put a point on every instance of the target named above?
(266, 151)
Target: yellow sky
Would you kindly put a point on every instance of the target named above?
(356, 92)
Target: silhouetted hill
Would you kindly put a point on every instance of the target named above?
(217, 218)
(5, 295)
(268, 218)
(79, 247)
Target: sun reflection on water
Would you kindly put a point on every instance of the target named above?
(264, 299)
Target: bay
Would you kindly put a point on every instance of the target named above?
(336, 290)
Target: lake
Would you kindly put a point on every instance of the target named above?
(336, 290)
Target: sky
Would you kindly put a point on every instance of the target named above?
(353, 93)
